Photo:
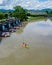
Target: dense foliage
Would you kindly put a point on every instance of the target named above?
(20, 13)
(1, 15)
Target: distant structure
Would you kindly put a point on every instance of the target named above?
(38, 13)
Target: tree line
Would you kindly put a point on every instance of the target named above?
(18, 12)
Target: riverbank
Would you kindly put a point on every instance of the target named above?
(30, 18)
(35, 18)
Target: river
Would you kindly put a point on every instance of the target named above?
(38, 36)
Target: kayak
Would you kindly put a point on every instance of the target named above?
(24, 45)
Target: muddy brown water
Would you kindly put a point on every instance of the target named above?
(38, 36)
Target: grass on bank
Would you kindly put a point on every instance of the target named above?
(35, 18)
(1, 20)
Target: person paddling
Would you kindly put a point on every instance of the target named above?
(24, 45)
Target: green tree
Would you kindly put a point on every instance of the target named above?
(6, 15)
(10, 14)
(20, 13)
(47, 12)
(51, 12)
(1, 15)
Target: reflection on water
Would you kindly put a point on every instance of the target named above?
(38, 35)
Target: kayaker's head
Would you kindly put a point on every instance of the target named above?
(23, 43)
